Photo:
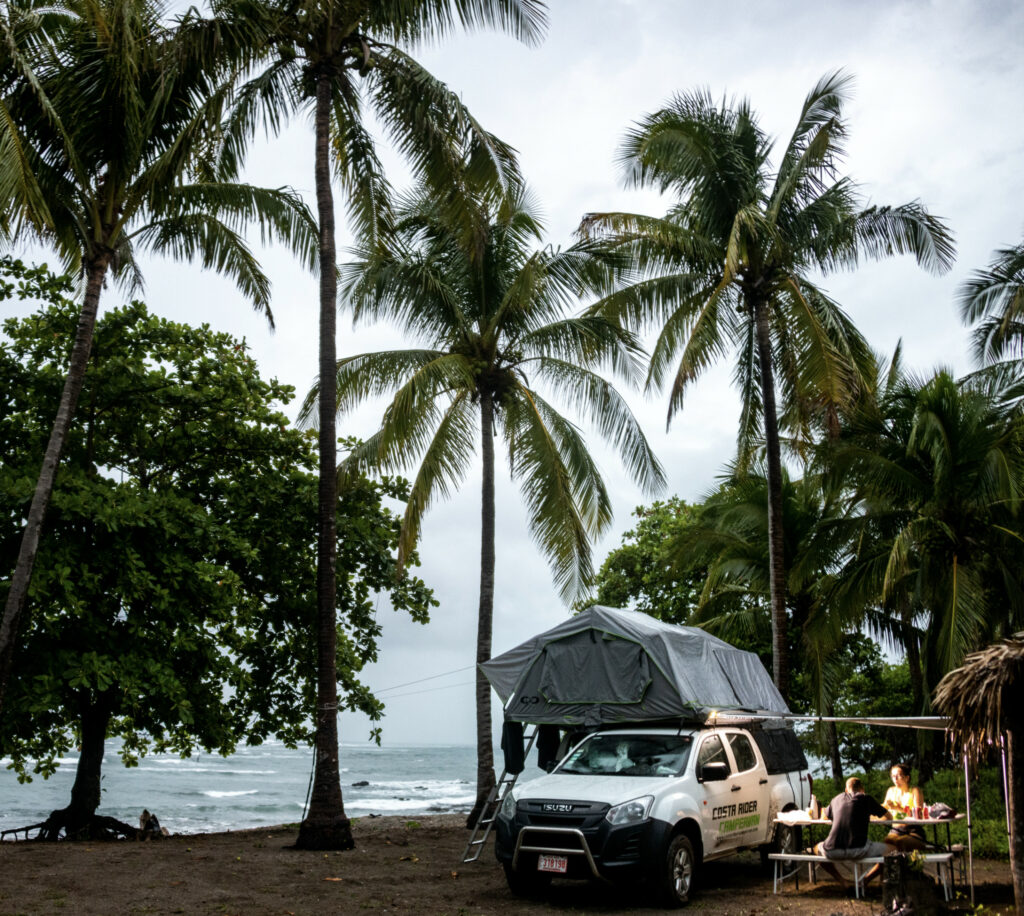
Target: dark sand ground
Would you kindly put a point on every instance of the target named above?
(400, 866)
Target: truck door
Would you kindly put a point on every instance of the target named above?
(752, 823)
(719, 799)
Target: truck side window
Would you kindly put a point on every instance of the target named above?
(742, 751)
(711, 751)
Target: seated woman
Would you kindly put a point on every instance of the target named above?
(901, 798)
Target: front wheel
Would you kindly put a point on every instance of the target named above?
(679, 872)
(526, 883)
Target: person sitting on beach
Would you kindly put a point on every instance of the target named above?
(901, 798)
(851, 812)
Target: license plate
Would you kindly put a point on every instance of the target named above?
(559, 864)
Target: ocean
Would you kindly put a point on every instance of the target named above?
(256, 786)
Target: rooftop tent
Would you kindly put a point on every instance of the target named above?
(605, 666)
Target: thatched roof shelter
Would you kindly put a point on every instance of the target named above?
(983, 694)
(983, 701)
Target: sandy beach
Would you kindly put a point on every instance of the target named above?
(400, 865)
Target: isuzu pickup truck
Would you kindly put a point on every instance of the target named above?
(650, 805)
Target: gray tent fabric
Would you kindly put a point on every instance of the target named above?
(607, 665)
(573, 672)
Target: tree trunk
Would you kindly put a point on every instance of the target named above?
(78, 820)
(95, 272)
(924, 740)
(325, 825)
(1015, 775)
(86, 793)
(485, 617)
(776, 557)
(832, 739)
(913, 664)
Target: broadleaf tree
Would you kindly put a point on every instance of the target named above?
(176, 589)
(110, 115)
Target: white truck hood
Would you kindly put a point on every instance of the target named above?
(611, 789)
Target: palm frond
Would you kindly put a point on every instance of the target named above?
(216, 246)
(415, 21)
(560, 484)
(442, 469)
(590, 341)
(596, 400)
(371, 375)
(995, 298)
(813, 153)
(906, 229)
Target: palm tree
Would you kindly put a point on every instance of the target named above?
(336, 59)
(490, 312)
(730, 267)
(994, 298)
(110, 111)
(937, 474)
(730, 540)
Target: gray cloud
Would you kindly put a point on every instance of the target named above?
(936, 115)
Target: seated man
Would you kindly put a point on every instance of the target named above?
(850, 813)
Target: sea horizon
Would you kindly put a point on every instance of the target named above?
(260, 786)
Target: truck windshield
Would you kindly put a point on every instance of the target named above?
(629, 755)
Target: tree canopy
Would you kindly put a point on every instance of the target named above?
(109, 116)
(177, 591)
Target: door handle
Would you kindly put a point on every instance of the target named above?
(762, 782)
(736, 788)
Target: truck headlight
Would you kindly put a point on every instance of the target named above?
(631, 812)
(508, 806)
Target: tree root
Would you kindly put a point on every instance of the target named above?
(64, 825)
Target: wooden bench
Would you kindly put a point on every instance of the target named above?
(941, 860)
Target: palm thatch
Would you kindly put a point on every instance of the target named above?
(979, 696)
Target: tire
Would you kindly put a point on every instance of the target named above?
(526, 883)
(679, 872)
(788, 838)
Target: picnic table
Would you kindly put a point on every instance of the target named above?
(944, 855)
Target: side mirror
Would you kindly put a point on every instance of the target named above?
(714, 772)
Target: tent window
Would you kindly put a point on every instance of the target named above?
(577, 670)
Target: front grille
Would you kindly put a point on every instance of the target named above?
(562, 841)
(547, 820)
(553, 812)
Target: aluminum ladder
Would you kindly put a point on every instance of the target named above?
(485, 822)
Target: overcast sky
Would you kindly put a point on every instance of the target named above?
(936, 115)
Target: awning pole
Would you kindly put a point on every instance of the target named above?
(970, 843)
(1006, 782)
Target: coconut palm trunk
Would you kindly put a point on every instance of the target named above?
(325, 825)
(485, 616)
(96, 271)
(1015, 761)
(773, 456)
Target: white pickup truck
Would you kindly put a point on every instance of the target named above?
(650, 804)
